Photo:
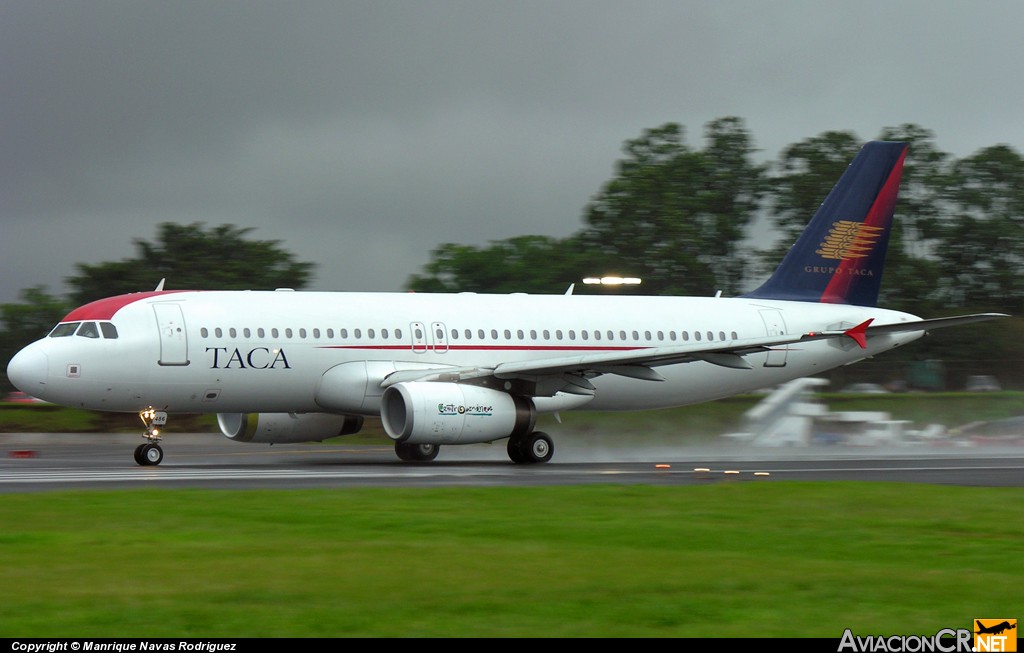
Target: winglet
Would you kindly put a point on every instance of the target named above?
(857, 333)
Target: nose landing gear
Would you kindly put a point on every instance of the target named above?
(149, 452)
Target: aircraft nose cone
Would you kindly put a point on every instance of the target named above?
(28, 371)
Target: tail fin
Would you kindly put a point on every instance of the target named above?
(839, 257)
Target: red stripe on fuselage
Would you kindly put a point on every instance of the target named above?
(838, 288)
(104, 309)
(479, 348)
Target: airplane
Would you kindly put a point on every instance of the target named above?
(997, 629)
(285, 366)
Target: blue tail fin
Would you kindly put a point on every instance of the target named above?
(839, 257)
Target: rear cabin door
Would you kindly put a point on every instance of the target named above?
(775, 326)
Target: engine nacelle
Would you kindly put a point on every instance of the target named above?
(422, 412)
(286, 427)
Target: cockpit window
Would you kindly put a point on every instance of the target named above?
(88, 330)
(64, 330)
(109, 330)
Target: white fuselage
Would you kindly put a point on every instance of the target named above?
(268, 352)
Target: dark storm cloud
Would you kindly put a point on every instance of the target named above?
(363, 134)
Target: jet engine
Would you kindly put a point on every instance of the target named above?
(286, 427)
(426, 412)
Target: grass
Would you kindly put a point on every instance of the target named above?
(744, 559)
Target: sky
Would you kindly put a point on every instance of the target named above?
(361, 135)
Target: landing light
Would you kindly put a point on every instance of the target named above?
(611, 281)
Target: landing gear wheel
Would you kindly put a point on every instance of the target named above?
(417, 452)
(150, 454)
(515, 449)
(538, 447)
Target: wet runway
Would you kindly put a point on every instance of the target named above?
(44, 462)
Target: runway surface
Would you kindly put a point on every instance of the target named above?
(43, 462)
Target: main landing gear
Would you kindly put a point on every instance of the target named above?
(149, 452)
(535, 447)
(416, 452)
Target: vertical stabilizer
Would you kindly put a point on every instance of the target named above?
(840, 255)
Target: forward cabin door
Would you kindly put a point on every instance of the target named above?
(173, 339)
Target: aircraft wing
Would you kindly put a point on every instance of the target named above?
(639, 363)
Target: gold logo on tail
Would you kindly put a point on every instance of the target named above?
(848, 240)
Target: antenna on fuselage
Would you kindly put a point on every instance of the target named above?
(570, 289)
(160, 286)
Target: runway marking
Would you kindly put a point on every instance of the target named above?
(399, 472)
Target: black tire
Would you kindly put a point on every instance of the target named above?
(151, 454)
(403, 451)
(139, 460)
(417, 452)
(538, 447)
(515, 449)
(425, 452)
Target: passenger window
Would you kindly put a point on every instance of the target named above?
(398, 333)
(247, 332)
(316, 333)
(455, 334)
(636, 336)
(468, 333)
(64, 330)
(558, 334)
(533, 334)
(584, 334)
(696, 335)
(356, 333)
(370, 334)
(480, 334)
(686, 336)
(547, 334)
(661, 335)
(302, 333)
(734, 335)
(519, 334)
(232, 332)
(572, 334)
(343, 333)
(274, 333)
(721, 335)
(711, 336)
(508, 334)
(288, 333)
(494, 334)
(330, 334)
(218, 332)
(88, 330)
(204, 332)
(647, 335)
(384, 334)
(109, 330)
(261, 333)
(671, 335)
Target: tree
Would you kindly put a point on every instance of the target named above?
(675, 216)
(188, 256)
(536, 264)
(981, 246)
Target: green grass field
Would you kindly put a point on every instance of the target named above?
(731, 559)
